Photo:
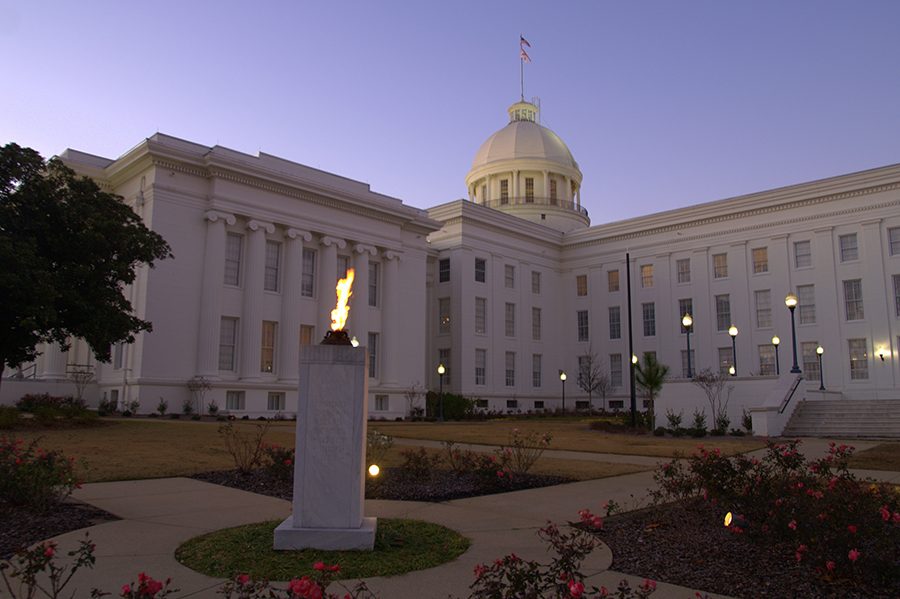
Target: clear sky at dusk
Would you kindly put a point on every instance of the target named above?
(663, 104)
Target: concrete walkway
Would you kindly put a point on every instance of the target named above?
(158, 515)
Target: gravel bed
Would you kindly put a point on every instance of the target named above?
(20, 528)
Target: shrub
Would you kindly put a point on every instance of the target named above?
(377, 446)
(32, 477)
(747, 421)
(659, 431)
(187, 406)
(419, 462)
(674, 419)
(9, 417)
(456, 407)
(279, 461)
(106, 407)
(162, 406)
(524, 450)
(31, 402)
(698, 427)
(212, 408)
(134, 405)
(245, 446)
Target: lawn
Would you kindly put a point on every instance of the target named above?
(568, 433)
(884, 456)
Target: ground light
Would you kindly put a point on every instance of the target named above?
(374, 470)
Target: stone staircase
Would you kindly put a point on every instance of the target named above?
(846, 418)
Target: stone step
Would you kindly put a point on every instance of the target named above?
(870, 418)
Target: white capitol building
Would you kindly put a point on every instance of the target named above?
(506, 288)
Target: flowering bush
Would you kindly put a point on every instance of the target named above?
(377, 446)
(245, 447)
(307, 587)
(490, 468)
(146, 588)
(31, 402)
(524, 449)
(33, 477)
(826, 516)
(279, 461)
(37, 566)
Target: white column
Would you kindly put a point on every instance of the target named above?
(327, 280)
(289, 329)
(251, 315)
(54, 362)
(546, 186)
(515, 189)
(390, 318)
(487, 190)
(578, 196)
(359, 302)
(567, 192)
(211, 294)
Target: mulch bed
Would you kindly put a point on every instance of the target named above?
(392, 483)
(20, 528)
(688, 545)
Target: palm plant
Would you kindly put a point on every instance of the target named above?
(649, 377)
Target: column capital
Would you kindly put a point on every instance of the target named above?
(214, 215)
(361, 248)
(391, 255)
(295, 233)
(327, 240)
(256, 225)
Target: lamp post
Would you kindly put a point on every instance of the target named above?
(441, 370)
(562, 378)
(819, 351)
(776, 342)
(687, 322)
(733, 331)
(791, 302)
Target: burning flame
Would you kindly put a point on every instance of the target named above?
(343, 289)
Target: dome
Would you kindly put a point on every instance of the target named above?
(523, 138)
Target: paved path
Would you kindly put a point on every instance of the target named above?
(158, 515)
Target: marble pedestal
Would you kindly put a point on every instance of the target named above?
(329, 470)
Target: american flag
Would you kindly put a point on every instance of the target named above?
(522, 53)
(523, 42)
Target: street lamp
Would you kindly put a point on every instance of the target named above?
(791, 302)
(776, 342)
(563, 377)
(819, 351)
(733, 331)
(687, 322)
(441, 370)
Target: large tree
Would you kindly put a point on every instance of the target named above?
(67, 249)
(592, 377)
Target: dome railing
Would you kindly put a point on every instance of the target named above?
(533, 201)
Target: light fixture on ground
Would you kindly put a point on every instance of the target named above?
(687, 322)
(441, 370)
(731, 370)
(819, 351)
(791, 302)
(562, 378)
(374, 470)
(733, 331)
(776, 342)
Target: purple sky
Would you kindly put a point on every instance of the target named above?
(664, 104)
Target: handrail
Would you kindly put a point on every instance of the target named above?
(790, 395)
(533, 201)
(20, 373)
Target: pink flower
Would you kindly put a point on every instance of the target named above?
(299, 586)
(853, 555)
(852, 528)
(830, 566)
(320, 566)
(49, 550)
(896, 517)
(597, 522)
(499, 473)
(480, 570)
(650, 585)
(288, 462)
(885, 513)
(334, 568)
(126, 590)
(604, 592)
(576, 589)
(242, 579)
(792, 525)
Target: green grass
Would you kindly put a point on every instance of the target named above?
(400, 546)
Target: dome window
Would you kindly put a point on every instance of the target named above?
(504, 191)
(529, 190)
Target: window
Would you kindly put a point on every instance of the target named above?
(802, 254)
(275, 401)
(683, 268)
(536, 324)
(896, 295)
(480, 366)
(118, 355)
(536, 370)
(480, 270)
(308, 278)
(343, 265)
(810, 359)
(443, 270)
(444, 315)
(444, 358)
(480, 315)
(766, 359)
(853, 302)
(894, 241)
(234, 400)
(114, 397)
(504, 191)
(381, 403)
(726, 359)
(273, 261)
(849, 249)
(760, 260)
(615, 322)
(684, 364)
(373, 355)
(806, 304)
(720, 266)
(535, 282)
(510, 320)
(581, 285)
(615, 370)
(685, 306)
(512, 404)
(307, 334)
(483, 194)
(763, 300)
(510, 369)
(509, 276)
(233, 246)
(859, 359)
(646, 276)
(481, 403)
(582, 325)
(723, 312)
(227, 343)
(649, 313)
(553, 191)
(538, 404)
(267, 347)
(529, 190)
(373, 283)
(612, 280)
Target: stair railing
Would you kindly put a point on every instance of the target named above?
(790, 395)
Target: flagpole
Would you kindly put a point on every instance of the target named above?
(522, 77)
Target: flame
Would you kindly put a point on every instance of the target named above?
(343, 289)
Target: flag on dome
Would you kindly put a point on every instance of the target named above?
(522, 53)
(524, 56)
(523, 42)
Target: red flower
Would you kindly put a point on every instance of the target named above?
(299, 586)
(242, 579)
(650, 585)
(288, 462)
(792, 525)
(576, 589)
(334, 568)
(853, 555)
(126, 590)
(320, 566)
(830, 566)
(852, 528)
(604, 592)
(480, 570)
(49, 550)
(885, 513)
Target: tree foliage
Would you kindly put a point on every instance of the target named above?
(592, 377)
(650, 376)
(67, 249)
